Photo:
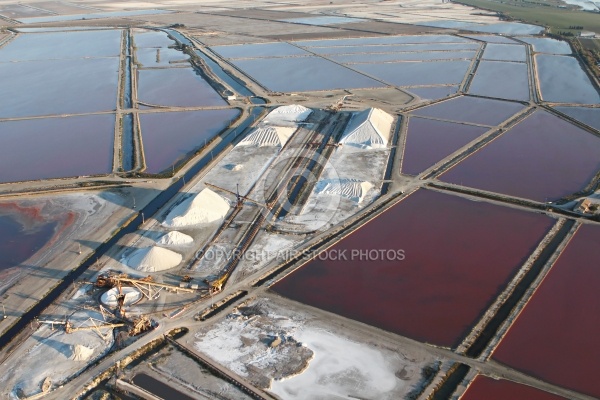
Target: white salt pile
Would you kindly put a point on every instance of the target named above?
(265, 135)
(277, 127)
(371, 128)
(203, 208)
(352, 189)
(153, 259)
(287, 115)
(81, 353)
(111, 296)
(175, 238)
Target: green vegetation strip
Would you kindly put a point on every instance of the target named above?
(535, 12)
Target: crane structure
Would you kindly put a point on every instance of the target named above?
(95, 325)
(149, 289)
(239, 198)
(338, 106)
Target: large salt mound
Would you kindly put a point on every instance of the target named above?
(81, 353)
(287, 115)
(354, 190)
(265, 135)
(153, 259)
(367, 129)
(205, 207)
(110, 297)
(175, 238)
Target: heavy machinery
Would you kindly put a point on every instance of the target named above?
(146, 286)
(136, 325)
(216, 285)
(317, 144)
(338, 106)
(239, 198)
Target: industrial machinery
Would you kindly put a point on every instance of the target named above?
(146, 286)
(239, 198)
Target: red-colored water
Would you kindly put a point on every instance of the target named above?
(429, 141)
(459, 255)
(556, 336)
(177, 87)
(56, 147)
(170, 137)
(492, 389)
(24, 231)
(542, 158)
(472, 109)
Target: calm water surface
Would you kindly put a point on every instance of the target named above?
(429, 141)
(555, 338)
(487, 388)
(459, 254)
(412, 56)
(504, 52)
(514, 84)
(53, 45)
(558, 86)
(277, 49)
(176, 87)
(170, 137)
(17, 244)
(302, 74)
(542, 158)
(58, 87)
(472, 109)
(417, 73)
(56, 147)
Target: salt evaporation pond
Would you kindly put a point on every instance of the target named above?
(58, 87)
(55, 45)
(62, 29)
(504, 80)
(487, 388)
(429, 141)
(542, 158)
(300, 74)
(159, 388)
(257, 50)
(324, 20)
(558, 86)
(176, 87)
(48, 148)
(431, 296)
(106, 14)
(410, 56)
(472, 109)
(547, 45)
(492, 39)
(17, 11)
(397, 48)
(18, 243)
(159, 57)
(417, 73)
(555, 337)
(506, 28)
(172, 136)
(589, 116)
(404, 39)
(585, 4)
(151, 39)
(433, 92)
(59, 7)
(504, 52)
